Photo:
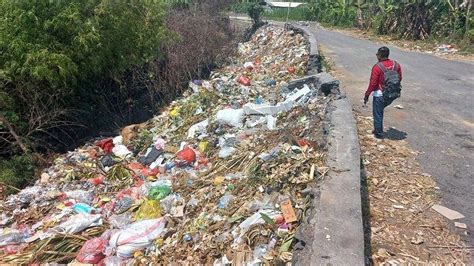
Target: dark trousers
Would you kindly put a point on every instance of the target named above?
(377, 111)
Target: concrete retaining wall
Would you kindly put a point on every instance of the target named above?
(333, 232)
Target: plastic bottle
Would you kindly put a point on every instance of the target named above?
(225, 200)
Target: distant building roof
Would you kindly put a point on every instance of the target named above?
(284, 4)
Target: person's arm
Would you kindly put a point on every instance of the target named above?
(374, 80)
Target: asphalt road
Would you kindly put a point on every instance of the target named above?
(437, 115)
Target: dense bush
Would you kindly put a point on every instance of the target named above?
(71, 69)
(54, 53)
(15, 173)
(412, 19)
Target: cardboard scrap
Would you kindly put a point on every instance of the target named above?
(288, 211)
(446, 212)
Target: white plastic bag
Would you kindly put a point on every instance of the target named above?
(137, 236)
(267, 109)
(121, 151)
(117, 140)
(231, 117)
(198, 128)
(256, 218)
(78, 223)
(271, 122)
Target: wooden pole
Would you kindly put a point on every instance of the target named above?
(288, 13)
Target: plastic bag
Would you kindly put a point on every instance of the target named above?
(150, 156)
(121, 220)
(249, 65)
(271, 122)
(225, 200)
(92, 250)
(159, 192)
(117, 140)
(231, 117)
(256, 218)
(226, 152)
(113, 261)
(14, 249)
(244, 80)
(149, 209)
(99, 179)
(200, 128)
(203, 146)
(171, 204)
(78, 223)
(13, 238)
(121, 151)
(186, 155)
(137, 236)
(83, 208)
(106, 145)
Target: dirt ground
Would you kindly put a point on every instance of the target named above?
(401, 226)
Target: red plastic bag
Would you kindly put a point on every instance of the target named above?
(187, 155)
(135, 166)
(303, 142)
(291, 70)
(106, 145)
(99, 179)
(92, 250)
(149, 172)
(244, 80)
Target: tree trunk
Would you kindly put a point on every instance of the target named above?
(17, 138)
(468, 17)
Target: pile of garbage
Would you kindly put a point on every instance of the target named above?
(221, 176)
(446, 49)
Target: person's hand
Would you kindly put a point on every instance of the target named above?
(366, 99)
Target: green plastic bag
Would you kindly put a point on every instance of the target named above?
(159, 192)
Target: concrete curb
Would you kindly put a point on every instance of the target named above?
(335, 222)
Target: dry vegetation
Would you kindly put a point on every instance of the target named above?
(403, 227)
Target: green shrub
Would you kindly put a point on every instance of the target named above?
(15, 172)
(56, 56)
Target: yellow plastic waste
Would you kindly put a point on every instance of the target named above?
(203, 146)
(218, 180)
(150, 209)
(174, 112)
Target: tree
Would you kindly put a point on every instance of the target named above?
(55, 52)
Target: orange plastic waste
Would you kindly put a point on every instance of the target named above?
(244, 80)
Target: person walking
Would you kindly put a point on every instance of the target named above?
(378, 78)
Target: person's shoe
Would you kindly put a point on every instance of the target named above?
(378, 136)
